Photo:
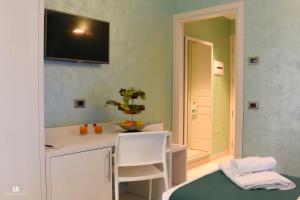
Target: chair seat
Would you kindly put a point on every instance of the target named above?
(139, 173)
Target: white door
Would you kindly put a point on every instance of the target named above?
(199, 95)
(83, 175)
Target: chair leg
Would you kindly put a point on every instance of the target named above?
(150, 189)
(166, 181)
(116, 190)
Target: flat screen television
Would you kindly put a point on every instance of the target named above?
(74, 38)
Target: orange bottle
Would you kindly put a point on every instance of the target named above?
(97, 128)
(84, 129)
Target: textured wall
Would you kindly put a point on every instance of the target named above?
(141, 53)
(140, 56)
(273, 34)
(217, 31)
(187, 5)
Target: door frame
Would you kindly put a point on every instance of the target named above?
(232, 95)
(178, 68)
(187, 89)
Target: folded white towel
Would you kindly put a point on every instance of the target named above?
(264, 179)
(253, 164)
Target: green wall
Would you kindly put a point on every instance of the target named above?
(140, 55)
(188, 5)
(217, 31)
(232, 27)
(272, 30)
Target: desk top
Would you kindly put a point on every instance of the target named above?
(67, 140)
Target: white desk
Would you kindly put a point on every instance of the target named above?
(68, 140)
(80, 155)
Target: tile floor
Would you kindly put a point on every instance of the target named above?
(207, 168)
(129, 196)
(191, 174)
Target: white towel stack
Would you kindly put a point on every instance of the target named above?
(255, 172)
(253, 164)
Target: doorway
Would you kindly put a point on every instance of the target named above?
(199, 98)
(179, 98)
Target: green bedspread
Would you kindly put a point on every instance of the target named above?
(217, 186)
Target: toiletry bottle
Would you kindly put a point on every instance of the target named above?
(84, 129)
(97, 128)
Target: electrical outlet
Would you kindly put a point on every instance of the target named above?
(79, 103)
(253, 105)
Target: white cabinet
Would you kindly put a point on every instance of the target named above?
(80, 176)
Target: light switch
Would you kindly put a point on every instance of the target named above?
(79, 103)
(253, 60)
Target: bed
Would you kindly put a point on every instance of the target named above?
(216, 186)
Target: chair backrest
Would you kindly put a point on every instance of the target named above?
(143, 148)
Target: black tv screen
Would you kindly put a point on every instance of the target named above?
(74, 38)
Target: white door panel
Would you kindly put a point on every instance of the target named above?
(205, 144)
(203, 101)
(204, 92)
(199, 96)
(203, 128)
(204, 111)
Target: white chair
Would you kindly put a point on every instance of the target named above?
(137, 156)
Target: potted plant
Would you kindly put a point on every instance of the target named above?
(128, 107)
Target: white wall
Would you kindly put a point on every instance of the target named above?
(20, 103)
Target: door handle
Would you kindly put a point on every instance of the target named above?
(194, 108)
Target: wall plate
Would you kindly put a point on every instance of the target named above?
(218, 68)
(253, 60)
(79, 103)
(253, 105)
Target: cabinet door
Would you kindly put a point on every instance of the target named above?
(81, 176)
